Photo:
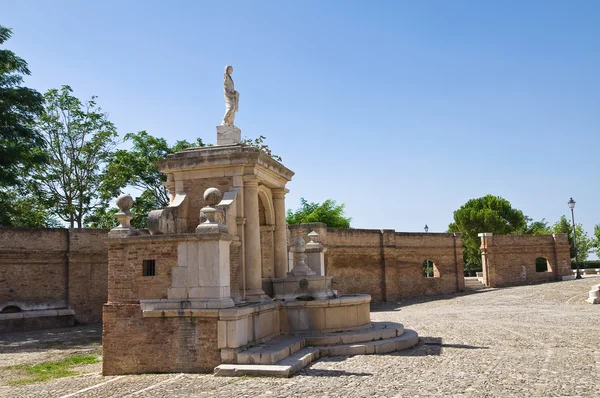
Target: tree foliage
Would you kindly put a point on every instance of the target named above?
(597, 239)
(328, 212)
(79, 139)
(486, 214)
(136, 168)
(260, 144)
(20, 143)
(537, 227)
(585, 243)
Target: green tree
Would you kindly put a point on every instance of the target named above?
(20, 143)
(79, 139)
(136, 168)
(585, 244)
(537, 227)
(328, 212)
(486, 214)
(597, 239)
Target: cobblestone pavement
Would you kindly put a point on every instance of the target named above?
(529, 341)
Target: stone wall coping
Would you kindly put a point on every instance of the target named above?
(193, 313)
(37, 314)
(228, 314)
(189, 237)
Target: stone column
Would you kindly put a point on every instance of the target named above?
(254, 290)
(279, 235)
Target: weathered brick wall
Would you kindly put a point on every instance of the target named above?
(54, 268)
(88, 279)
(386, 264)
(504, 256)
(126, 283)
(133, 344)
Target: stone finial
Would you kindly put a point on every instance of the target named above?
(213, 223)
(314, 237)
(124, 215)
(300, 267)
(124, 203)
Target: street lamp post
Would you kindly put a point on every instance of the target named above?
(571, 204)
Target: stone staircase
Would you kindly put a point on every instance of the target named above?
(285, 355)
(473, 283)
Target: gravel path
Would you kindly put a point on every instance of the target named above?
(528, 341)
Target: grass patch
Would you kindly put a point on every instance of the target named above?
(53, 370)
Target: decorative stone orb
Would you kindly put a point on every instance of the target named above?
(300, 244)
(125, 202)
(212, 196)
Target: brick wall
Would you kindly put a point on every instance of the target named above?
(509, 260)
(133, 344)
(54, 268)
(386, 264)
(126, 283)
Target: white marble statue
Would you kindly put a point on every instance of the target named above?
(232, 97)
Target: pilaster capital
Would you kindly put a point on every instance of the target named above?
(279, 193)
(250, 180)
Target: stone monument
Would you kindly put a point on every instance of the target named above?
(227, 133)
(207, 288)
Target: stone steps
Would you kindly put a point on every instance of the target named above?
(377, 331)
(473, 283)
(271, 352)
(297, 360)
(408, 339)
(284, 368)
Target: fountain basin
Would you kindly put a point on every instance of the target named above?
(326, 315)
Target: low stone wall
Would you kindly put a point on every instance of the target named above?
(387, 264)
(47, 269)
(509, 260)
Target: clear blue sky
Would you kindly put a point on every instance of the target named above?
(402, 110)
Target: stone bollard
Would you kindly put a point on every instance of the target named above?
(594, 295)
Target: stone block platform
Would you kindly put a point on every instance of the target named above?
(286, 355)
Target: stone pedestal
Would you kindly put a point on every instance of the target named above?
(202, 276)
(228, 135)
(594, 295)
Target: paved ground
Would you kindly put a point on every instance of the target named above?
(530, 341)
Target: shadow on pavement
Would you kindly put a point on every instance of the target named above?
(396, 305)
(83, 336)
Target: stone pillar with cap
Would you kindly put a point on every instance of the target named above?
(202, 275)
(300, 267)
(315, 255)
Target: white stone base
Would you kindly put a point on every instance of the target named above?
(594, 295)
(228, 135)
